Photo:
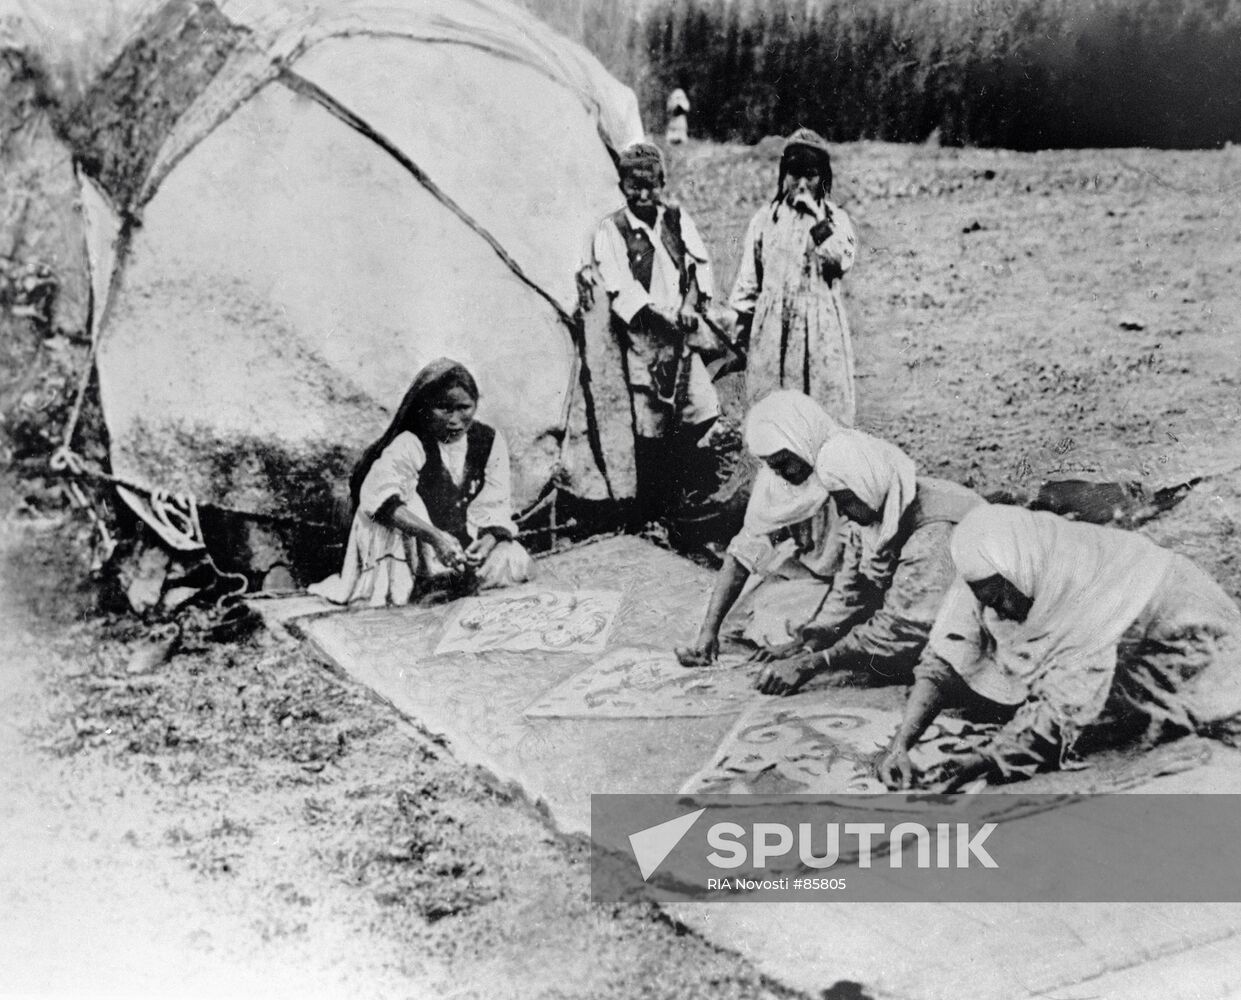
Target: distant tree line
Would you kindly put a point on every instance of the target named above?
(1024, 74)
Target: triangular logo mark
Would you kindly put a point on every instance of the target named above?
(652, 845)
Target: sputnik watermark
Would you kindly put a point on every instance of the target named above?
(911, 847)
(652, 845)
(735, 847)
(765, 841)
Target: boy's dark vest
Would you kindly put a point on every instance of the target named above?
(446, 501)
(663, 361)
(642, 253)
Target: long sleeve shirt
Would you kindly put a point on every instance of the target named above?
(882, 626)
(394, 475)
(628, 296)
(879, 613)
(1035, 739)
(1174, 672)
(772, 254)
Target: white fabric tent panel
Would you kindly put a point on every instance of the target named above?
(515, 149)
(102, 228)
(280, 31)
(283, 28)
(288, 280)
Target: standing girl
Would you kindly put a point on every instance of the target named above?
(788, 290)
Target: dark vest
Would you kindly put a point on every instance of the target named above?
(446, 501)
(642, 253)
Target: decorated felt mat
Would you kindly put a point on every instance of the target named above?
(531, 618)
(648, 682)
(811, 744)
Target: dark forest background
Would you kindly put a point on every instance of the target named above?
(1023, 74)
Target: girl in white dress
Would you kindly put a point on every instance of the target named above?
(788, 290)
(431, 501)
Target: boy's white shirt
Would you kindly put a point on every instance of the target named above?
(628, 296)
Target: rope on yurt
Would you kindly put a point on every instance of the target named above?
(174, 517)
(300, 85)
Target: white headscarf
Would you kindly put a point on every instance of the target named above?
(785, 420)
(1088, 585)
(878, 473)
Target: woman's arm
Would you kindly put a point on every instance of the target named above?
(401, 517)
(891, 635)
(848, 601)
(860, 627)
(851, 599)
(928, 697)
(389, 496)
(729, 582)
(750, 549)
(490, 516)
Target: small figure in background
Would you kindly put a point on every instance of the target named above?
(788, 290)
(678, 118)
(431, 501)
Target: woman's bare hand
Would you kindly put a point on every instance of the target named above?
(480, 549)
(786, 676)
(781, 651)
(896, 770)
(450, 552)
(702, 654)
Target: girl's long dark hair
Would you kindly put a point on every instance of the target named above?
(436, 378)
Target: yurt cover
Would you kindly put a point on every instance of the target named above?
(293, 206)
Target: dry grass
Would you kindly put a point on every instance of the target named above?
(321, 830)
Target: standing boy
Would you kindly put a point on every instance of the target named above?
(650, 260)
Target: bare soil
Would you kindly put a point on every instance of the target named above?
(1023, 317)
(240, 821)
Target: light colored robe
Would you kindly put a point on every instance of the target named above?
(799, 336)
(382, 563)
(1123, 639)
(882, 605)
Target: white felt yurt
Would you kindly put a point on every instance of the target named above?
(293, 206)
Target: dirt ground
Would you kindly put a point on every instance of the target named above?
(1020, 317)
(239, 821)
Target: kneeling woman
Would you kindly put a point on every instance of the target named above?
(431, 501)
(1076, 631)
(895, 571)
(789, 576)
